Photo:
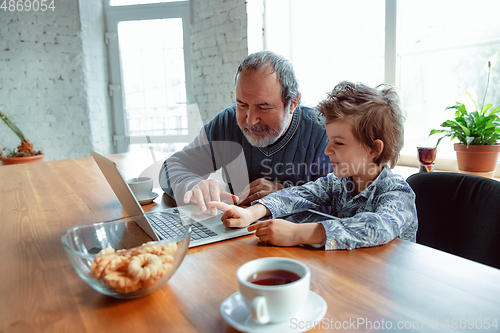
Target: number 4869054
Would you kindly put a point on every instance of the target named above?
(27, 5)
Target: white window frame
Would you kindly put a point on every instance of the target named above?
(391, 70)
(392, 76)
(116, 14)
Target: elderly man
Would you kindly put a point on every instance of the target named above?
(280, 142)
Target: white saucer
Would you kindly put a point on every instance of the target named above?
(149, 199)
(236, 314)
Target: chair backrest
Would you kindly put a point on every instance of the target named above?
(459, 214)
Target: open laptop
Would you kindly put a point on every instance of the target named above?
(205, 228)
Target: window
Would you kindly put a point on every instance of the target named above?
(328, 41)
(149, 48)
(439, 45)
(154, 89)
(441, 49)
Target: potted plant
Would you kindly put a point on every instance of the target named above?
(478, 133)
(24, 152)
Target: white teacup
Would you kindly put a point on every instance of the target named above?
(142, 187)
(273, 303)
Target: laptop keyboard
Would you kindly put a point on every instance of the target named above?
(168, 227)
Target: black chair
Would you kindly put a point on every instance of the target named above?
(459, 214)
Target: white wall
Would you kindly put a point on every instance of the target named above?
(96, 75)
(54, 72)
(218, 44)
(53, 80)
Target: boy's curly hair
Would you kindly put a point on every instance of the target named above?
(374, 112)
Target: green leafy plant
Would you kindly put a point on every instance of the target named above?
(479, 127)
(25, 148)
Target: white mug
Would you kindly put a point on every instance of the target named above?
(274, 303)
(141, 187)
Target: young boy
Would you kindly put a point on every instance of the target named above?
(370, 205)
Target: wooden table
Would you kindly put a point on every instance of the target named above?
(400, 283)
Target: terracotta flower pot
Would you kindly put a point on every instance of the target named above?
(477, 158)
(24, 159)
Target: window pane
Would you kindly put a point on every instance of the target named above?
(441, 49)
(329, 41)
(430, 24)
(152, 59)
(138, 2)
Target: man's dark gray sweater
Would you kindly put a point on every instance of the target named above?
(296, 158)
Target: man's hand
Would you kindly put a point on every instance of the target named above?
(206, 191)
(258, 189)
(237, 217)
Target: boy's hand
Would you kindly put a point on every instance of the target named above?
(234, 216)
(283, 233)
(277, 232)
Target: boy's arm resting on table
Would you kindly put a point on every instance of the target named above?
(393, 214)
(312, 233)
(284, 233)
(393, 217)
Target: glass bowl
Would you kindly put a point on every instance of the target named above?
(118, 259)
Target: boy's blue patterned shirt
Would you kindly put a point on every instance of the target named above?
(383, 211)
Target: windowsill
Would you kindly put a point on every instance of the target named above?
(440, 164)
(407, 171)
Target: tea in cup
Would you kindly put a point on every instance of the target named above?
(274, 288)
(142, 187)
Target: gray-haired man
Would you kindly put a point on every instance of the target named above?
(281, 141)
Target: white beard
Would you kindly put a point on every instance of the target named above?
(271, 137)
